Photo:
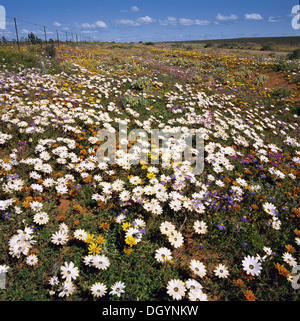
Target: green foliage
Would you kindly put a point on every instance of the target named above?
(281, 92)
(76, 105)
(12, 60)
(269, 46)
(260, 80)
(141, 83)
(50, 50)
(295, 54)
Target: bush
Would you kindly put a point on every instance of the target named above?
(260, 80)
(281, 92)
(269, 46)
(11, 60)
(50, 51)
(141, 83)
(295, 54)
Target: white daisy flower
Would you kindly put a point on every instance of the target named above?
(176, 289)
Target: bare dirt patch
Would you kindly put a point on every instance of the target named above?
(64, 205)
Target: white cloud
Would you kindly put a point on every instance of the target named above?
(169, 21)
(275, 19)
(135, 9)
(87, 25)
(35, 32)
(253, 16)
(88, 32)
(190, 22)
(224, 18)
(146, 19)
(56, 24)
(97, 24)
(100, 24)
(185, 22)
(201, 22)
(135, 23)
(127, 22)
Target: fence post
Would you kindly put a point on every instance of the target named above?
(18, 43)
(57, 37)
(45, 34)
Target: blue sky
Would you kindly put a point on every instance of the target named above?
(151, 20)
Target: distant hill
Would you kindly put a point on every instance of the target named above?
(288, 41)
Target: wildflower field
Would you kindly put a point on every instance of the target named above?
(77, 229)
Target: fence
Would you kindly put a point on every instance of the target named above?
(38, 34)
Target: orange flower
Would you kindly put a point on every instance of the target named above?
(240, 282)
(26, 204)
(281, 269)
(101, 204)
(236, 207)
(61, 217)
(69, 183)
(73, 192)
(77, 208)
(88, 179)
(254, 206)
(105, 226)
(297, 232)
(249, 295)
(290, 248)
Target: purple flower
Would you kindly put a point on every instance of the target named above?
(269, 223)
(244, 218)
(221, 226)
(200, 246)
(32, 226)
(12, 176)
(142, 230)
(6, 215)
